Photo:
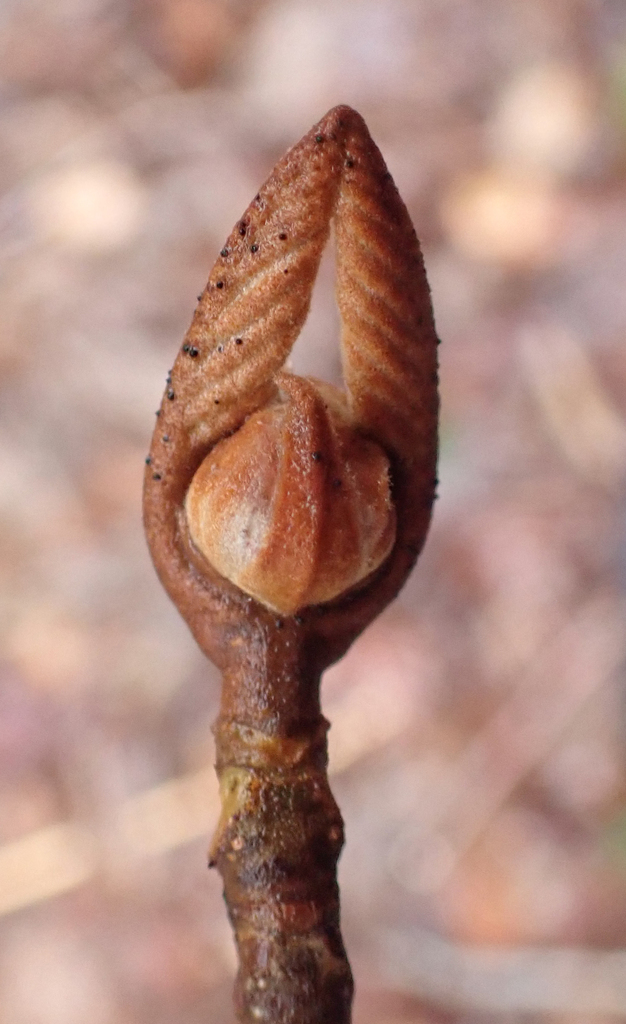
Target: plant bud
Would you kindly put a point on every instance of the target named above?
(294, 507)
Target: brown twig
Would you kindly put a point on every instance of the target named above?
(241, 494)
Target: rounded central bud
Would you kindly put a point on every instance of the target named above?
(295, 507)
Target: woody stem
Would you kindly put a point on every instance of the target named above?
(277, 844)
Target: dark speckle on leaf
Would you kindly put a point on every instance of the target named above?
(219, 284)
(224, 252)
(171, 394)
(148, 460)
(193, 352)
(156, 476)
(254, 248)
(317, 456)
(319, 138)
(238, 341)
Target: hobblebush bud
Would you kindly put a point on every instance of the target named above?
(283, 515)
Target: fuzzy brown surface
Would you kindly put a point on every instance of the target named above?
(303, 452)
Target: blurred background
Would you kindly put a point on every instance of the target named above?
(478, 728)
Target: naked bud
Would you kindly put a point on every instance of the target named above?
(294, 507)
(260, 484)
(284, 486)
